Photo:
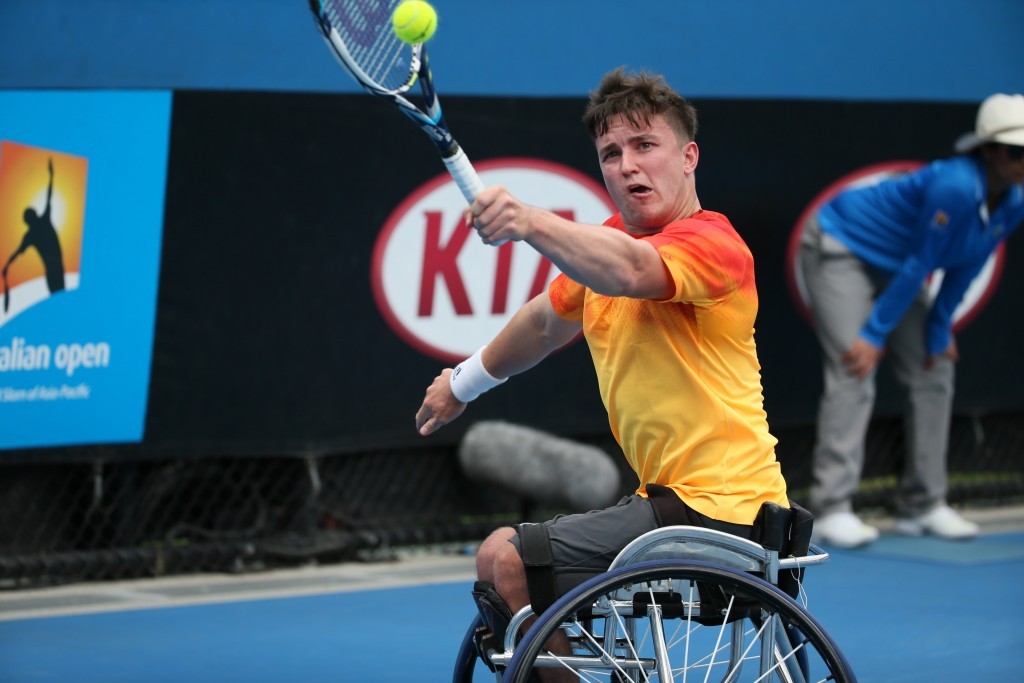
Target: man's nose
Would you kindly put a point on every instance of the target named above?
(627, 163)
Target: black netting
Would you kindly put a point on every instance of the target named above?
(116, 518)
(984, 462)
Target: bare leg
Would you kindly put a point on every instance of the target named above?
(486, 558)
(498, 562)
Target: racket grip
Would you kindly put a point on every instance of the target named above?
(466, 178)
(464, 175)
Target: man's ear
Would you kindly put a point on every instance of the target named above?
(691, 154)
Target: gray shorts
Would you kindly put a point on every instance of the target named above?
(583, 545)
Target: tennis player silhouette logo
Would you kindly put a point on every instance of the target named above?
(42, 199)
(43, 237)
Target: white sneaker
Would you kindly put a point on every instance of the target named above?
(843, 530)
(942, 521)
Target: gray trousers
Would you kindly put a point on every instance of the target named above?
(842, 290)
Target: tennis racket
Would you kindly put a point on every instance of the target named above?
(361, 36)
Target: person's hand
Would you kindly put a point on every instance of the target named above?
(439, 405)
(861, 358)
(499, 217)
(951, 352)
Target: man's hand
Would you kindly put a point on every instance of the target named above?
(499, 217)
(951, 352)
(861, 358)
(439, 405)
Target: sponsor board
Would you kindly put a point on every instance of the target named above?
(445, 292)
(82, 180)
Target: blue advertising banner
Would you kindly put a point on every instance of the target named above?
(82, 181)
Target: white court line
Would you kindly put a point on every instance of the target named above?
(204, 589)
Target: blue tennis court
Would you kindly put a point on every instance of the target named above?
(902, 610)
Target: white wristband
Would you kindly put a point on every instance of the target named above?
(470, 378)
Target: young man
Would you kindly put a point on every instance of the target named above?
(865, 257)
(665, 295)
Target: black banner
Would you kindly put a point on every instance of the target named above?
(268, 339)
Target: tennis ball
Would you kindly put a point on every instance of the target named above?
(415, 21)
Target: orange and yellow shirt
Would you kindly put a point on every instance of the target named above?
(680, 378)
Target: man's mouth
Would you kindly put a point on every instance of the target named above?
(639, 190)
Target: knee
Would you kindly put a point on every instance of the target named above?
(509, 576)
(490, 550)
(505, 565)
(507, 561)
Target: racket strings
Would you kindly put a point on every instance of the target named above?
(364, 27)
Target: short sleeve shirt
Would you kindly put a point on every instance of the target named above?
(680, 378)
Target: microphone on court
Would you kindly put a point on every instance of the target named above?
(539, 466)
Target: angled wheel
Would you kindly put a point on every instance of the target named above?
(467, 658)
(675, 620)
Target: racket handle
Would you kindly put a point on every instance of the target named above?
(466, 178)
(464, 175)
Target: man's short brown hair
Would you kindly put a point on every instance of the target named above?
(638, 97)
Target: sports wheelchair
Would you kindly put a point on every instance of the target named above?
(680, 603)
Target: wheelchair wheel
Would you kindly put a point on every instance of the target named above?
(674, 620)
(467, 658)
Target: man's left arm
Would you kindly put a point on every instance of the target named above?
(955, 282)
(939, 327)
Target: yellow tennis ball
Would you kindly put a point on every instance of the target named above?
(415, 21)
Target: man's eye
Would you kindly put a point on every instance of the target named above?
(610, 155)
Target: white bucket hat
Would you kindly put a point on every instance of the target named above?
(1000, 119)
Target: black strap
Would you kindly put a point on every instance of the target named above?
(771, 526)
(799, 541)
(496, 615)
(670, 510)
(796, 542)
(540, 566)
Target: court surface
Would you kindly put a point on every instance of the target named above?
(904, 609)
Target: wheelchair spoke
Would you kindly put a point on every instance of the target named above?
(718, 640)
(633, 647)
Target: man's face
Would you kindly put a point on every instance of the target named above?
(648, 172)
(1008, 163)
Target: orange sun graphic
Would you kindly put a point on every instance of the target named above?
(24, 179)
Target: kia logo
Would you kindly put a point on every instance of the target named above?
(445, 292)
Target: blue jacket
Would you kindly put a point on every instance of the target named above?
(910, 225)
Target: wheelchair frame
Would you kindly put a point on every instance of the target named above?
(719, 590)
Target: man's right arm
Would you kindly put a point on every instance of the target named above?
(607, 261)
(49, 188)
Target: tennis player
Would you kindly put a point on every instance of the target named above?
(664, 293)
